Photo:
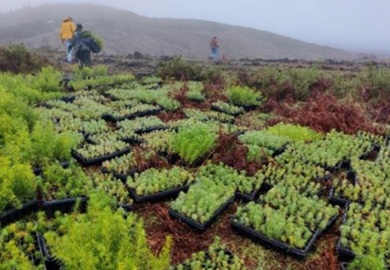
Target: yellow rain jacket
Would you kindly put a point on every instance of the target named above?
(67, 29)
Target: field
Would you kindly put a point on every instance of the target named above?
(141, 163)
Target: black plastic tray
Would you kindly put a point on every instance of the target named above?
(51, 263)
(126, 207)
(247, 197)
(17, 214)
(150, 129)
(163, 195)
(330, 223)
(100, 159)
(198, 225)
(298, 253)
(120, 176)
(337, 200)
(208, 256)
(218, 109)
(64, 205)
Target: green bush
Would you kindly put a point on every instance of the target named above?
(194, 142)
(244, 96)
(294, 132)
(17, 184)
(105, 239)
(15, 58)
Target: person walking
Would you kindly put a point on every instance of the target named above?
(82, 47)
(66, 35)
(214, 48)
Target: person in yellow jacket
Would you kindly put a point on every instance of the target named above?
(66, 35)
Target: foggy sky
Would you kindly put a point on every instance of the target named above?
(357, 25)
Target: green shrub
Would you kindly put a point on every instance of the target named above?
(294, 132)
(15, 58)
(17, 184)
(105, 239)
(47, 80)
(194, 142)
(244, 96)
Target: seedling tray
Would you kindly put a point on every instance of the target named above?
(51, 263)
(247, 197)
(208, 257)
(330, 223)
(283, 247)
(162, 195)
(218, 109)
(337, 200)
(198, 225)
(126, 207)
(64, 205)
(150, 129)
(17, 214)
(120, 176)
(100, 159)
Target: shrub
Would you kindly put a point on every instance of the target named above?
(179, 70)
(15, 58)
(105, 239)
(244, 96)
(194, 142)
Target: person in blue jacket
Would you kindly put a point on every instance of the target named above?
(81, 45)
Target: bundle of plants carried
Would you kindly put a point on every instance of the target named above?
(217, 256)
(159, 183)
(104, 239)
(94, 42)
(227, 108)
(194, 142)
(244, 96)
(365, 232)
(19, 249)
(203, 202)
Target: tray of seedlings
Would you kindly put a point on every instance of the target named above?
(285, 220)
(159, 184)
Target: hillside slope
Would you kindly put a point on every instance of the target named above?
(125, 32)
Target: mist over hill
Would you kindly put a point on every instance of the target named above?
(125, 32)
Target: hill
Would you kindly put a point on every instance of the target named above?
(125, 32)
